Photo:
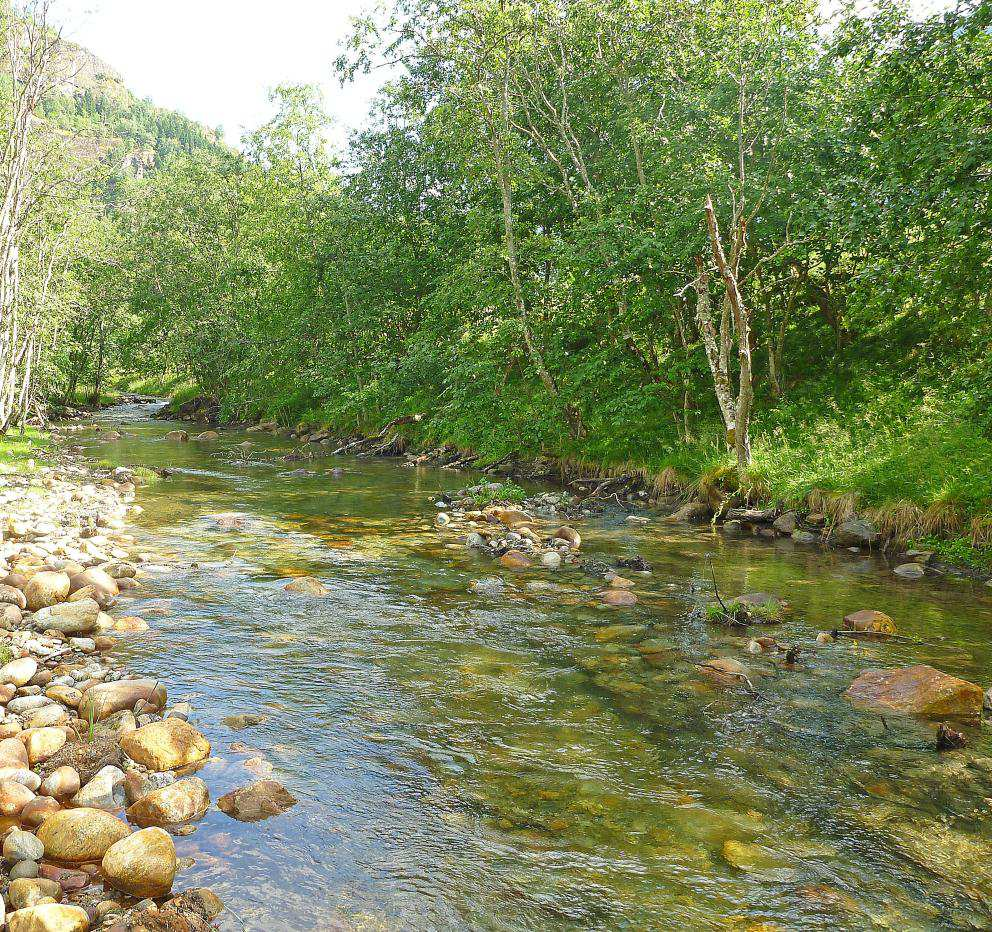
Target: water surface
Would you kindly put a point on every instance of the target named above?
(530, 760)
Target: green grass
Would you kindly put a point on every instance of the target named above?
(161, 385)
(497, 492)
(83, 397)
(20, 454)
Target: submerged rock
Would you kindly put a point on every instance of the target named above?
(910, 571)
(181, 801)
(514, 560)
(257, 801)
(308, 585)
(918, 690)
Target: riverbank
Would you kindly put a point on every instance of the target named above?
(82, 738)
(915, 541)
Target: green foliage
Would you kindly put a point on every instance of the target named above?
(6, 654)
(502, 492)
(510, 248)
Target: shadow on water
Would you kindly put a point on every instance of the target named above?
(526, 759)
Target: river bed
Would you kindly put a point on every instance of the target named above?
(514, 760)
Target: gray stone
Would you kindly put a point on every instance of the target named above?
(856, 532)
(909, 571)
(24, 870)
(104, 791)
(22, 846)
(785, 523)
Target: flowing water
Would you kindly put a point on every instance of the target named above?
(515, 761)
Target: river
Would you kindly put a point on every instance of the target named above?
(513, 761)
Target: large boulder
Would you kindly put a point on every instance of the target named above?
(77, 836)
(49, 917)
(786, 523)
(104, 699)
(856, 532)
(181, 801)
(79, 617)
(166, 745)
(257, 801)
(46, 588)
(870, 622)
(141, 865)
(693, 513)
(98, 580)
(918, 690)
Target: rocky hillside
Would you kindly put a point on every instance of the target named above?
(107, 122)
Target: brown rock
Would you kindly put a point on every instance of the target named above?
(257, 801)
(13, 753)
(166, 745)
(68, 879)
(12, 595)
(39, 809)
(44, 589)
(514, 560)
(76, 836)
(64, 694)
(29, 891)
(869, 622)
(618, 598)
(181, 801)
(61, 783)
(141, 865)
(513, 517)
(102, 598)
(918, 690)
(724, 670)
(13, 797)
(570, 536)
(42, 743)
(49, 917)
(131, 624)
(104, 699)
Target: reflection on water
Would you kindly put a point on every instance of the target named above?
(525, 759)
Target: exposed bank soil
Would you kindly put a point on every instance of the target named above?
(594, 488)
(82, 739)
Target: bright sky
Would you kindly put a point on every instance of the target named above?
(215, 60)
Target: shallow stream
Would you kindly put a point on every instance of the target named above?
(513, 760)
